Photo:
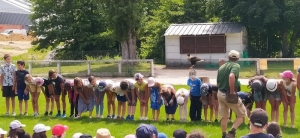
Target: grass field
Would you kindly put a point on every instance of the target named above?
(33, 54)
(120, 128)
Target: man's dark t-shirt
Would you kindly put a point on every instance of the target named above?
(21, 79)
(258, 135)
(57, 82)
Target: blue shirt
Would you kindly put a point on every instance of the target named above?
(194, 86)
(20, 74)
(258, 135)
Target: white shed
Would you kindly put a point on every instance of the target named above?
(209, 41)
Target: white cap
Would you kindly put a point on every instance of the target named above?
(76, 135)
(16, 124)
(151, 82)
(2, 132)
(234, 54)
(40, 128)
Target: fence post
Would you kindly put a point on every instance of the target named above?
(88, 68)
(152, 67)
(58, 67)
(120, 68)
(30, 67)
(257, 67)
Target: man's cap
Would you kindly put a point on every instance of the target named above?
(234, 54)
(179, 133)
(145, 131)
(259, 117)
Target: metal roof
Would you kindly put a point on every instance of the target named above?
(203, 28)
(15, 12)
(14, 18)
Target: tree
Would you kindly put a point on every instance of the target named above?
(123, 17)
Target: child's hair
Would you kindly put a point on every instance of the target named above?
(67, 86)
(274, 129)
(195, 134)
(51, 72)
(6, 56)
(91, 78)
(124, 85)
(21, 62)
(260, 77)
(204, 79)
(28, 136)
(14, 133)
(76, 81)
(39, 135)
(165, 91)
(27, 76)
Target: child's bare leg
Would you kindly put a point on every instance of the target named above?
(277, 104)
(113, 107)
(292, 112)
(26, 105)
(119, 108)
(133, 110)
(47, 104)
(20, 106)
(157, 114)
(7, 100)
(167, 116)
(57, 100)
(146, 109)
(90, 113)
(211, 108)
(173, 116)
(129, 110)
(141, 109)
(108, 107)
(37, 102)
(123, 109)
(13, 104)
(285, 112)
(52, 104)
(205, 112)
(153, 114)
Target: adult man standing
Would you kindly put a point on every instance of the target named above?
(227, 80)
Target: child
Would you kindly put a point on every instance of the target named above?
(274, 98)
(34, 87)
(247, 99)
(156, 100)
(142, 95)
(128, 87)
(274, 129)
(94, 84)
(111, 96)
(195, 95)
(2, 133)
(7, 81)
(258, 89)
(86, 99)
(49, 96)
(73, 98)
(40, 131)
(288, 88)
(215, 89)
(207, 97)
(13, 126)
(20, 86)
(182, 96)
(168, 93)
(121, 100)
(59, 131)
(195, 134)
(58, 81)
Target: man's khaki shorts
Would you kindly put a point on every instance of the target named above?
(239, 108)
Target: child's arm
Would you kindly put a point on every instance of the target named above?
(159, 92)
(26, 89)
(293, 97)
(126, 95)
(82, 96)
(94, 95)
(137, 93)
(283, 92)
(133, 95)
(1, 80)
(15, 82)
(43, 90)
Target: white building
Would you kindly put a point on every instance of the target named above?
(208, 41)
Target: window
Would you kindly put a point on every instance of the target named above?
(203, 44)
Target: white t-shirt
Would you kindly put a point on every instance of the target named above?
(185, 92)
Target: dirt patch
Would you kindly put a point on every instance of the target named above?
(17, 48)
(16, 37)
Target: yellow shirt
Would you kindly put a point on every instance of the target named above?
(140, 87)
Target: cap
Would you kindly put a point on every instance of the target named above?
(287, 74)
(259, 117)
(180, 100)
(16, 124)
(272, 85)
(85, 136)
(179, 133)
(138, 76)
(130, 136)
(257, 85)
(103, 133)
(234, 54)
(145, 130)
(162, 135)
(124, 85)
(76, 135)
(2, 132)
(101, 85)
(204, 89)
(59, 129)
(40, 128)
(151, 82)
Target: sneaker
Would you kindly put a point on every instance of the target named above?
(101, 116)
(173, 119)
(128, 117)
(113, 116)
(25, 114)
(50, 114)
(167, 119)
(46, 114)
(141, 118)
(216, 120)
(230, 135)
(20, 114)
(64, 116)
(76, 117)
(145, 118)
(36, 114)
(58, 115)
(132, 117)
(7, 113)
(108, 117)
(118, 117)
(90, 117)
(122, 118)
(72, 115)
(13, 114)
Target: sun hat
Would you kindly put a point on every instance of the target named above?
(101, 85)
(145, 130)
(76, 135)
(179, 133)
(103, 133)
(85, 136)
(2, 132)
(59, 129)
(234, 54)
(40, 128)
(180, 100)
(257, 85)
(271, 85)
(259, 117)
(151, 82)
(204, 89)
(287, 74)
(162, 135)
(16, 124)
(130, 136)
(138, 76)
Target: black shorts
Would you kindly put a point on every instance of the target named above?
(47, 94)
(121, 98)
(59, 92)
(130, 98)
(8, 92)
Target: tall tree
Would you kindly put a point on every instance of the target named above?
(124, 19)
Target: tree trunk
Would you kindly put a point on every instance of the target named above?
(285, 44)
(125, 51)
(293, 42)
(129, 46)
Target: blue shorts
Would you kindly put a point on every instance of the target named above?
(121, 98)
(21, 95)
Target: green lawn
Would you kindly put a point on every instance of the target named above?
(33, 54)
(121, 128)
